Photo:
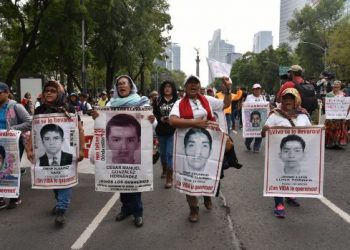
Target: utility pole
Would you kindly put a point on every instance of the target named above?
(83, 68)
(197, 61)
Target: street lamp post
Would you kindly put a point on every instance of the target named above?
(324, 49)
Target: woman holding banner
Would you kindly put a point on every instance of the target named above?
(336, 130)
(125, 95)
(161, 109)
(54, 101)
(13, 116)
(196, 111)
(290, 114)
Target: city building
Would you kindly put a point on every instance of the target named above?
(218, 49)
(173, 58)
(262, 40)
(287, 9)
(232, 57)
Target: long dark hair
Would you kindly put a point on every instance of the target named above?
(173, 87)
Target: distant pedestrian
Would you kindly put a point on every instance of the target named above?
(13, 116)
(103, 99)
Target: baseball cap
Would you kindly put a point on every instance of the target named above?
(256, 86)
(295, 68)
(103, 93)
(73, 94)
(192, 77)
(4, 87)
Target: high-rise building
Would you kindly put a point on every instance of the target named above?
(218, 49)
(173, 58)
(287, 9)
(232, 57)
(262, 40)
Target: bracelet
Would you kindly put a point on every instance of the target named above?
(227, 91)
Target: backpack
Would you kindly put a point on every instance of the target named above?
(308, 96)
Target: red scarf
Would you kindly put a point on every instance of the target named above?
(186, 110)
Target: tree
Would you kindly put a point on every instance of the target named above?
(314, 25)
(339, 51)
(19, 26)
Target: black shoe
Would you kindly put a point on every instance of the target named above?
(292, 202)
(248, 147)
(53, 211)
(60, 218)
(138, 221)
(121, 216)
(14, 202)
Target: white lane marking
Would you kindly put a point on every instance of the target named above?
(79, 243)
(235, 241)
(336, 209)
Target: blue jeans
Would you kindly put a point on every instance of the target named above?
(62, 197)
(257, 142)
(234, 115)
(166, 150)
(228, 121)
(132, 204)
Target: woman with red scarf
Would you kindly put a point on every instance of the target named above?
(196, 111)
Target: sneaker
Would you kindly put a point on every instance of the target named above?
(138, 221)
(279, 211)
(3, 203)
(121, 216)
(60, 219)
(292, 202)
(14, 202)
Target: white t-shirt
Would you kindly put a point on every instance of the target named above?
(277, 120)
(251, 98)
(197, 108)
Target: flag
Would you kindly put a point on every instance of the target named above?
(218, 69)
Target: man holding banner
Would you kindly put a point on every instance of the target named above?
(255, 111)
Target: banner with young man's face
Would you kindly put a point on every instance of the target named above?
(254, 116)
(198, 156)
(56, 148)
(294, 161)
(9, 163)
(123, 150)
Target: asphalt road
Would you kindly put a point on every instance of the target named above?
(241, 219)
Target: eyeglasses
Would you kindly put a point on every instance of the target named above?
(124, 83)
(50, 91)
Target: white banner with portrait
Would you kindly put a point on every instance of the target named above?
(198, 156)
(254, 116)
(123, 150)
(56, 146)
(294, 162)
(9, 163)
(337, 107)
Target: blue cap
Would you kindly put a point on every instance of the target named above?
(4, 87)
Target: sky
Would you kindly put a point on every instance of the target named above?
(194, 22)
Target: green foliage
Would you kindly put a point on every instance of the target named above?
(339, 51)
(313, 25)
(262, 67)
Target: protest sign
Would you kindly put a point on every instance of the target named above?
(9, 163)
(294, 159)
(254, 116)
(337, 107)
(123, 150)
(221, 119)
(56, 144)
(198, 156)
